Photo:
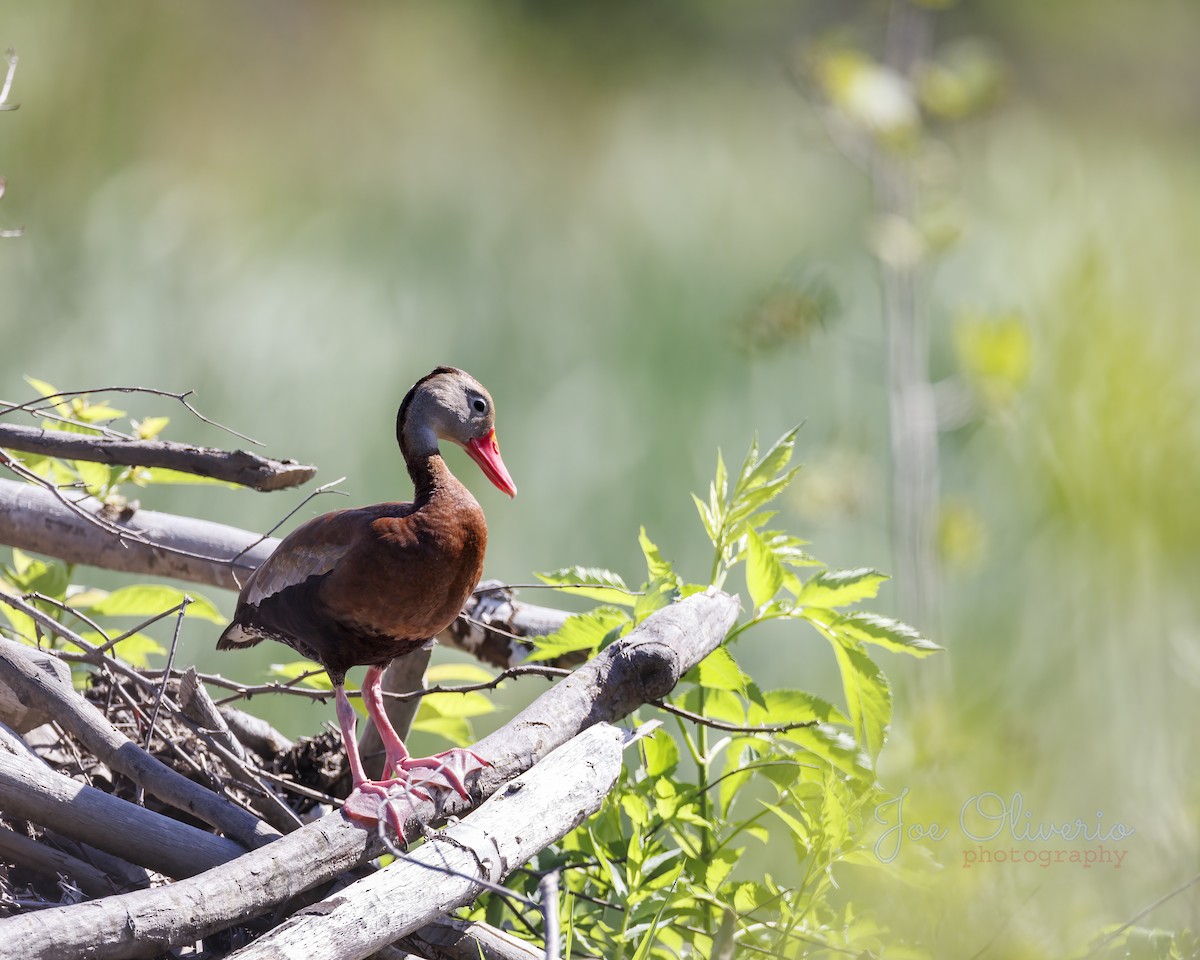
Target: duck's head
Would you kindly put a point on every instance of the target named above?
(450, 404)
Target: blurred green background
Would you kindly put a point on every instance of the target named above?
(630, 221)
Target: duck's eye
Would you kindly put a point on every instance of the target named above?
(479, 405)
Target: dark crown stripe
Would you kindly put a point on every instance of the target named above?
(402, 413)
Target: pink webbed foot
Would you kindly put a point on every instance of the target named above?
(443, 770)
(391, 800)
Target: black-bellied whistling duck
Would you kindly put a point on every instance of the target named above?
(364, 586)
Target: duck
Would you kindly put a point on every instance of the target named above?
(365, 585)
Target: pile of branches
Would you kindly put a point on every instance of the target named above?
(140, 819)
(222, 838)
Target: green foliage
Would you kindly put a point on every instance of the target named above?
(666, 856)
(47, 583)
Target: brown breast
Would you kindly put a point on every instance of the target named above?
(364, 586)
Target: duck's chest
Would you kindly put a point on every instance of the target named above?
(409, 577)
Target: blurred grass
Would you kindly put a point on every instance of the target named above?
(299, 209)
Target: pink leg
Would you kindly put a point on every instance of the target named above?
(451, 765)
(372, 691)
(348, 721)
(368, 797)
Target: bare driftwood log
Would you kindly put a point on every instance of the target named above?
(34, 519)
(529, 814)
(236, 466)
(637, 669)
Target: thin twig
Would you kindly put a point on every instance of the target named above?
(730, 727)
(324, 488)
(162, 687)
(1145, 910)
(11, 55)
(181, 397)
(548, 891)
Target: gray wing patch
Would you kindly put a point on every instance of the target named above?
(287, 568)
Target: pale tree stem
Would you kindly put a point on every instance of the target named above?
(913, 416)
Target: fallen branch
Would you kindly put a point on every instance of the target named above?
(33, 518)
(457, 864)
(637, 669)
(216, 554)
(236, 466)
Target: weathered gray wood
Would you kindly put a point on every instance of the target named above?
(23, 717)
(112, 747)
(34, 519)
(18, 848)
(235, 466)
(529, 814)
(198, 707)
(640, 667)
(29, 790)
(450, 939)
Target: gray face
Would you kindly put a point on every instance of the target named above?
(450, 405)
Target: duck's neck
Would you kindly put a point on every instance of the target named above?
(419, 447)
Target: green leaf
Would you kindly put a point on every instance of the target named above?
(887, 633)
(656, 567)
(868, 696)
(661, 753)
(798, 828)
(454, 729)
(835, 823)
(755, 499)
(146, 476)
(94, 412)
(731, 784)
(718, 704)
(656, 595)
(706, 518)
(96, 477)
(773, 461)
(794, 706)
(836, 588)
(720, 671)
(46, 390)
(591, 582)
(47, 577)
(580, 631)
(21, 561)
(470, 704)
(837, 748)
(457, 673)
(150, 427)
(135, 650)
(720, 486)
(764, 574)
(22, 624)
(149, 599)
(714, 871)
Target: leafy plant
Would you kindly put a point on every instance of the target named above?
(659, 871)
(48, 583)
